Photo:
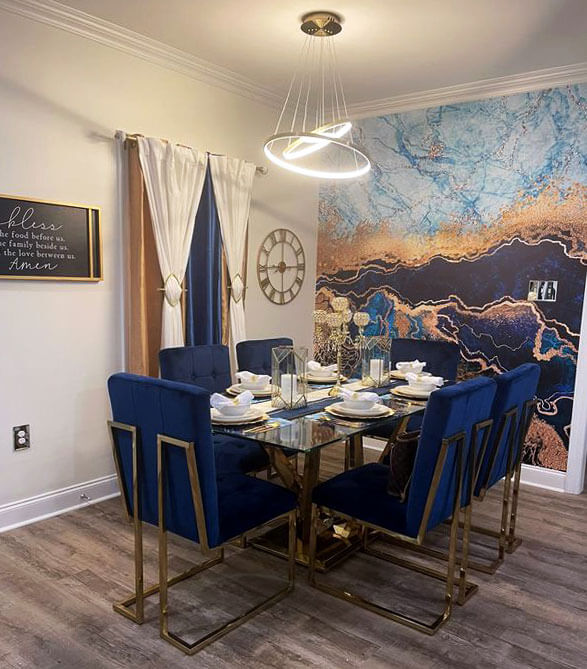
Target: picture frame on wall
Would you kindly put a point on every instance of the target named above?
(542, 290)
(49, 240)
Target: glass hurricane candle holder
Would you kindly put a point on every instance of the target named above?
(288, 377)
(375, 362)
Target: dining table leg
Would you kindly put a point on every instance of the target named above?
(355, 451)
(310, 480)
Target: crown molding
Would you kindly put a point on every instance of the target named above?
(109, 34)
(477, 90)
(128, 41)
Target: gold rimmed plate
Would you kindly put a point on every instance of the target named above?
(237, 389)
(408, 393)
(377, 411)
(253, 415)
(324, 380)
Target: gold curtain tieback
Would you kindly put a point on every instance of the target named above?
(237, 288)
(172, 290)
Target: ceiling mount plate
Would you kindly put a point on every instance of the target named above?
(321, 24)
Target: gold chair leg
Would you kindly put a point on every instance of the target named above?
(193, 647)
(464, 557)
(512, 542)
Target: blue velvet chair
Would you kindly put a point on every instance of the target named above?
(164, 454)
(208, 366)
(441, 357)
(441, 484)
(512, 411)
(254, 355)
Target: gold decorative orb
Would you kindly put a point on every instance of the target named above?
(334, 319)
(361, 319)
(340, 303)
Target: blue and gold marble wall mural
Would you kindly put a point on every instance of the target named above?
(466, 204)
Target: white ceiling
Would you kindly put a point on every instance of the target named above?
(387, 47)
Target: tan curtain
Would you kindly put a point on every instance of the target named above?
(143, 280)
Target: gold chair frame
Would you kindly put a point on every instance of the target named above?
(506, 535)
(125, 607)
(507, 542)
(466, 589)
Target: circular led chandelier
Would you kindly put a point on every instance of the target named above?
(313, 135)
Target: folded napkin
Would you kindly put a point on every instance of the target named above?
(355, 396)
(217, 401)
(427, 380)
(314, 366)
(249, 377)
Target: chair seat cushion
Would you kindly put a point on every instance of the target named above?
(362, 494)
(245, 502)
(238, 456)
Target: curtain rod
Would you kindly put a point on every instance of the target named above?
(120, 134)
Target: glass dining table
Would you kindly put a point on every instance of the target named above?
(307, 431)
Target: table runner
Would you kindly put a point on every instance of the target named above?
(319, 400)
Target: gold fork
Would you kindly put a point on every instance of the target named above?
(261, 428)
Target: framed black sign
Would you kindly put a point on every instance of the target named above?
(47, 240)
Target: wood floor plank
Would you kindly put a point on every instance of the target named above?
(59, 577)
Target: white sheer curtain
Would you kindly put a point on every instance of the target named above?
(174, 178)
(232, 180)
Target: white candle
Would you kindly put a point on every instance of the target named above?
(289, 388)
(376, 369)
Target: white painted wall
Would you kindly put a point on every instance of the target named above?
(61, 99)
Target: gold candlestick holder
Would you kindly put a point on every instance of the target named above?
(338, 321)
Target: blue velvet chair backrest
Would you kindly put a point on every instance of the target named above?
(514, 389)
(207, 366)
(449, 410)
(179, 410)
(254, 355)
(441, 357)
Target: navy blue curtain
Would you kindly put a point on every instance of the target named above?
(204, 274)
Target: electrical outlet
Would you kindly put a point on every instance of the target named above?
(21, 437)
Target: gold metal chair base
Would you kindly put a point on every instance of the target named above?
(124, 607)
(190, 648)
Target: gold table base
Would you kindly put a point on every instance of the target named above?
(330, 551)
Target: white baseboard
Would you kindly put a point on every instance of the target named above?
(53, 503)
(551, 479)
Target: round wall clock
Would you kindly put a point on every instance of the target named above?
(281, 266)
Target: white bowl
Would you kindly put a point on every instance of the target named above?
(358, 405)
(406, 367)
(234, 409)
(422, 384)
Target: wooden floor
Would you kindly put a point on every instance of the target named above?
(59, 577)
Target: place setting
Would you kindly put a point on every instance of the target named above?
(259, 385)
(419, 385)
(235, 411)
(322, 374)
(408, 367)
(358, 405)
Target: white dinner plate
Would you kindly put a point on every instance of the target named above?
(376, 411)
(237, 389)
(252, 416)
(331, 378)
(402, 375)
(407, 391)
